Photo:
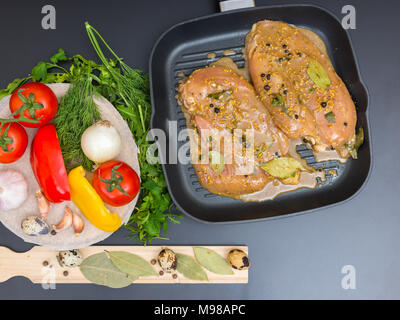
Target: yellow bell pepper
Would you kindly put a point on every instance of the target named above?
(89, 202)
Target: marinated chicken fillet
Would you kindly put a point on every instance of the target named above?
(296, 81)
(218, 99)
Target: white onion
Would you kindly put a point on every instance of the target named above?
(101, 142)
(13, 189)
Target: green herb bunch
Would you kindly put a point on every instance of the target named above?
(76, 113)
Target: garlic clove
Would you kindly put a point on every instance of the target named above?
(66, 220)
(43, 204)
(77, 223)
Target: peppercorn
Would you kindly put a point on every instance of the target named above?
(280, 59)
(284, 91)
(262, 75)
(268, 76)
(268, 44)
(211, 105)
(299, 54)
(216, 110)
(284, 46)
(267, 87)
(286, 51)
(296, 116)
(323, 104)
(345, 124)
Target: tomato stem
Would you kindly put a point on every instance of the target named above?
(5, 140)
(114, 182)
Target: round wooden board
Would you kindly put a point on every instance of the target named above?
(66, 239)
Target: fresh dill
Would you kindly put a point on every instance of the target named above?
(76, 112)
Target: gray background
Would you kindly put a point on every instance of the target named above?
(296, 257)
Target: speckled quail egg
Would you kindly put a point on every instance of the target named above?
(70, 258)
(238, 259)
(167, 260)
(34, 226)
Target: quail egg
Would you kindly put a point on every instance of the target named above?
(167, 260)
(238, 259)
(34, 226)
(70, 258)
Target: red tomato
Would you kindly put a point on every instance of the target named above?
(39, 99)
(13, 143)
(116, 183)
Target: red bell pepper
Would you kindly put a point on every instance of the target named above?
(48, 165)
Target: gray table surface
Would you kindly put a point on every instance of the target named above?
(292, 258)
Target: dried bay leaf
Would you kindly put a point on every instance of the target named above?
(282, 168)
(212, 261)
(99, 269)
(131, 264)
(190, 268)
(359, 140)
(318, 74)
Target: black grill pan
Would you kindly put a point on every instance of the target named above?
(184, 48)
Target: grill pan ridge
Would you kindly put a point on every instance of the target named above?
(184, 48)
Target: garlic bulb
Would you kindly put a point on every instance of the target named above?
(13, 189)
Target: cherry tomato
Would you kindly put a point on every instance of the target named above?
(36, 99)
(13, 142)
(116, 183)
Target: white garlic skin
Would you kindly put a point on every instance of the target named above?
(13, 189)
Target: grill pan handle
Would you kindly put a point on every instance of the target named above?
(228, 5)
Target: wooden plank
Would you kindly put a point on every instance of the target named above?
(40, 265)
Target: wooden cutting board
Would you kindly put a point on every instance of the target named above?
(40, 264)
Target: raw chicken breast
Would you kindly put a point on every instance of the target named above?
(217, 99)
(296, 81)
